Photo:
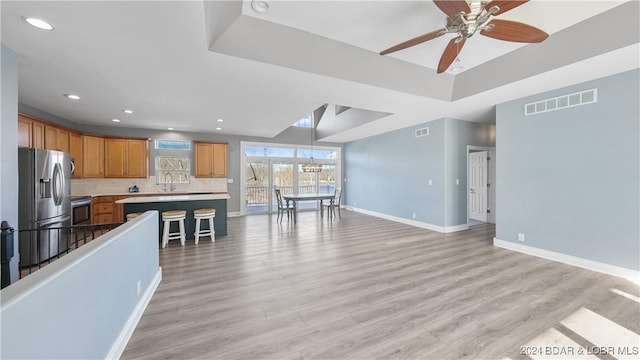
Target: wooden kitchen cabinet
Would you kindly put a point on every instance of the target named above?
(210, 160)
(104, 209)
(75, 149)
(93, 156)
(30, 132)
(126, 158)
(24, 131)
(56, 138)
(40, 134)
(37, 135)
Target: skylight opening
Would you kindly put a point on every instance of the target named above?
(305, 122)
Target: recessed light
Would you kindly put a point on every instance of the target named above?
(260, 6)
(169, 128)
(219, 120)
(72, 96)
(127, 111)
(218, 128)
(115, 120)
(39, 23)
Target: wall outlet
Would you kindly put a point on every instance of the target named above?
(457, 181)
(229, 181)
(430, 182)
(413, 215)
(520, 237)
(139, 288)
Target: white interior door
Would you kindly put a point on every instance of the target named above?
(478, 185)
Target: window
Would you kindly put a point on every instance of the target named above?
(316, 153)
(173, 144)
(269, 165)
(305, 122)
(269, 151)
(172, 170)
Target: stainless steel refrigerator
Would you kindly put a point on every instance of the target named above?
(44, 202)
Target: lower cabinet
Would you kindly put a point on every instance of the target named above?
(104, 210)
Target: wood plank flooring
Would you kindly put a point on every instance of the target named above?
(367, 288)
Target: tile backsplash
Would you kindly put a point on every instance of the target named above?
(121, 186)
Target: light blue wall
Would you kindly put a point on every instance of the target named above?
(78, 306)
(459, 134)
(9, 147)
(389, 173)
(569, 179)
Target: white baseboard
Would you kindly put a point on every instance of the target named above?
(125, 334)
(629, 274)
(420, 224)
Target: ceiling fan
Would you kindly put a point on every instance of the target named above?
(465, 18)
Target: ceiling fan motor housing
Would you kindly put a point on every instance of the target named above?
(467, 24)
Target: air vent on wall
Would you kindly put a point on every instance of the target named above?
(422, 132)
(561, 102)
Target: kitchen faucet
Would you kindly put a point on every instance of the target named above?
(171, 185)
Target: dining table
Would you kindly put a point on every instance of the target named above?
(295, 198)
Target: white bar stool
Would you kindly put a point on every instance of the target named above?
(205, 214)
(167, 218)
(132, 216)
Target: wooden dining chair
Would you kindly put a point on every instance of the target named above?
(283, 206)
(335, 204)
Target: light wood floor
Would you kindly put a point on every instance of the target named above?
(366, 288)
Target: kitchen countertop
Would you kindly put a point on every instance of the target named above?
(157, 193)
(173, 197)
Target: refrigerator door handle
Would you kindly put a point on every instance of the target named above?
(58, 184)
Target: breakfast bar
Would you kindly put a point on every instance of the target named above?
(189, 203)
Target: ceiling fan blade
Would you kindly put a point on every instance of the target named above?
(415, 41)
(514, 31)
(450, 54)
(452, 7)
(504, 5)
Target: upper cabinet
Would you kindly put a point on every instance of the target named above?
(92, 156)
(75, 149)
(30, 132)
(24, 131)
(210, 160)
(126, 158)
(56, 138)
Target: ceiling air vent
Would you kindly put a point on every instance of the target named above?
(561, 102)
(422, 132)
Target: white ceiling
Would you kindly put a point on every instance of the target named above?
(185, 64)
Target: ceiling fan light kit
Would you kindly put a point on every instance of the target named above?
(467, 18)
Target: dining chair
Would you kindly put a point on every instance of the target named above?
(335, 203)
(283, 206)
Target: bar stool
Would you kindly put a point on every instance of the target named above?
(132, 216)
(167, 218)
(205, 214)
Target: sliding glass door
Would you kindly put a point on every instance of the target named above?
(281, 166)
(256, 176)
(282, 178)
